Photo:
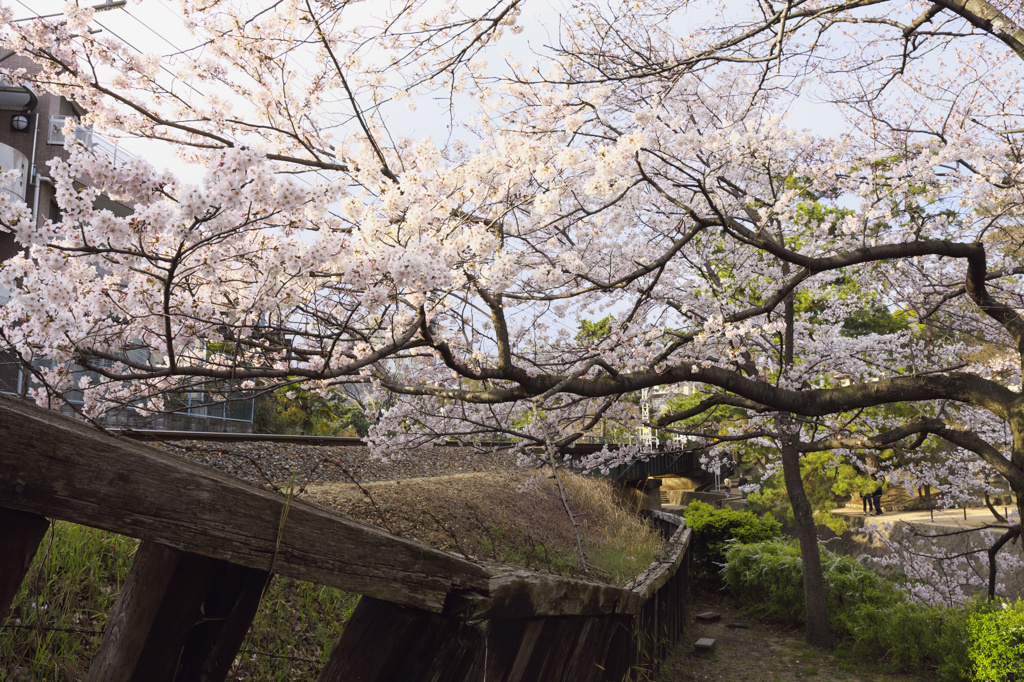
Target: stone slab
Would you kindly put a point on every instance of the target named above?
(704, 645)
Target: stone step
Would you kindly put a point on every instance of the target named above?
(704, 645)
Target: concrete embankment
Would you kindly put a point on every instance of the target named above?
(946, 532)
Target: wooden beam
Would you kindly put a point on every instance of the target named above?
(20, 534)
(58, 467)
(180, 617)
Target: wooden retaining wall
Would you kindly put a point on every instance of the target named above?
(210, 542)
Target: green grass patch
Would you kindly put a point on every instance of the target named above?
(292, 635)
(57, 618)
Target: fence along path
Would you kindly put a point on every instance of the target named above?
(210, 542)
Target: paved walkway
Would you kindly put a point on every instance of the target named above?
(976, 517)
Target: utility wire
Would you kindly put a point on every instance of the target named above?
(179, 51)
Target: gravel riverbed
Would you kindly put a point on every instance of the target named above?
(275, 464)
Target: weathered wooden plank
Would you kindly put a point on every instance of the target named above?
(459, 654)
(587, 662)
(503, 638)
(579, 664)
(55, 466)
(621, 649)
(228, 610)
(512, 593)
(527, 643)
(556, 643)
(20, 534)
(155, 611)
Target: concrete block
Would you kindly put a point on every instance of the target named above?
(704, 645)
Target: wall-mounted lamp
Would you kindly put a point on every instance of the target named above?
(19, 122)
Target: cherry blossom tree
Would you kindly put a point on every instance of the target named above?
(650, 165)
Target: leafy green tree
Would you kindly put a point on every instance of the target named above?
(295, 410)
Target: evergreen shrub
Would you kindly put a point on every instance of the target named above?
(714, 530)
(996, 645)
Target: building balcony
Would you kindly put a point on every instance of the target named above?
(94, 142)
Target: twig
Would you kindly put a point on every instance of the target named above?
(584, 564)
(380, 513)
(75, 631)
(257, 652)
(289, 496)
(449, 531)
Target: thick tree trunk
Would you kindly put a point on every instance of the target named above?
(817, 632)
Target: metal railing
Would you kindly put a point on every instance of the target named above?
(93, 141)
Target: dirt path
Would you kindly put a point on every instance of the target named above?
(749, 651)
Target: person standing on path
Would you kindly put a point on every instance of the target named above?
(740, 483)
(876, 498)
(727, 484)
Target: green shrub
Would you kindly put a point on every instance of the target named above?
(871, 616)
(767, 578)
(714, 530)
(837, 524)
(909, 637)
(996, 646)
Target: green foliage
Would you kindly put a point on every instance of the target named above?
(714, 530)
(875, 319)
(826, 481)
(58, 616)
(871, 616)
(909, 637)
(996, 645)
(295, 410)
(594, 331)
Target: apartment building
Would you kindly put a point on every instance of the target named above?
(32, 132)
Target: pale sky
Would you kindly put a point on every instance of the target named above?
(154, 26)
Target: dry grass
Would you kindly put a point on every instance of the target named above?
(616, 539)
(511, 517)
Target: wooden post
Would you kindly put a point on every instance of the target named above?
(384, 641)
(180, 616)
(158, 605)
(20, 534)
(228, 610)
